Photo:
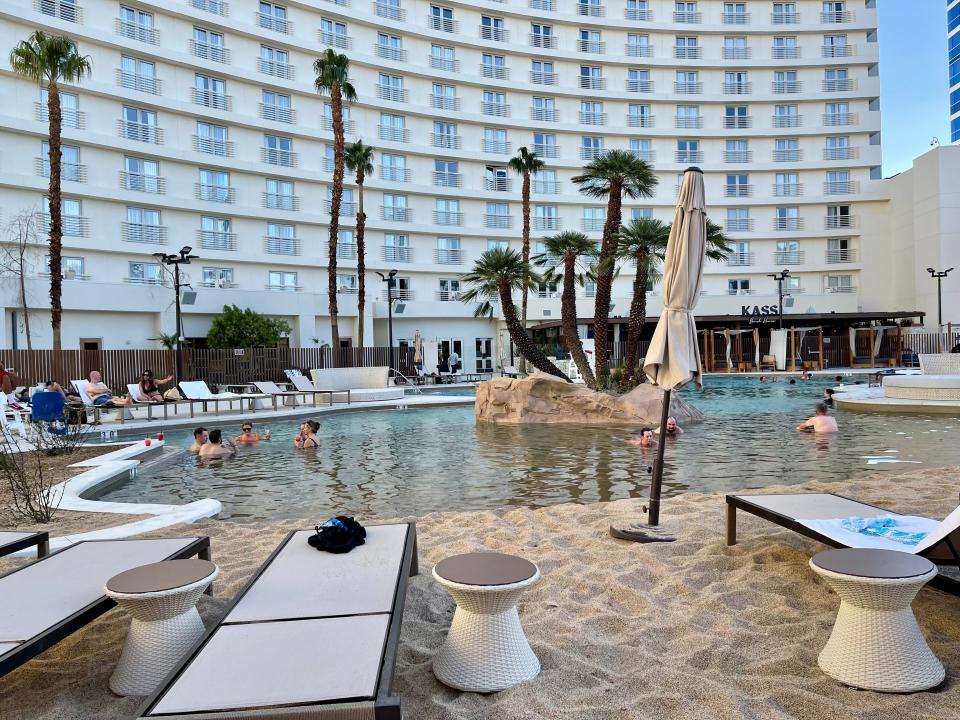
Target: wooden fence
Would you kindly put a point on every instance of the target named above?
(217, 367)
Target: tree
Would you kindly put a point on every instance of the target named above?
(50, 60)
(566, 249)
(21, 233)
(332, 72)
(525, 164)
(612, 174)
(645, 242)
(495, 276)
(236, 328)
(359, 159)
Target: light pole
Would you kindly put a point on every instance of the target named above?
(939, 275)
(390, 281)
(183, 258)
(780, 277)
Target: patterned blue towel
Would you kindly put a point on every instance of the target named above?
(890, 528)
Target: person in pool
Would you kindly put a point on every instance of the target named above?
(200, 438)
(828, 397)
(672, 427)
(763, 378)
(646, 438)
(821, 422)
(247, 436)
(215, 448)
(308, 435)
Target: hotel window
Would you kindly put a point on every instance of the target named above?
(395, 208)
(284, 280)
(689, 151)
(838, 182)
(738, 286)
(63, 9)
(786, 116)
(217, 277)
(638, 45)
(639, 116)
(496, 178)
(736, 151)
(685, 47)
(276, 106)
(545, 217)
(441, 18)
(498, 244)
(137, 25)
(71, 268)
(390, 47)
(493, 66)
(642, 148)
(589, 41)
(70, 168)
(281, 239)
(334, 34)
(69, 108)
(591, 77)
(393, 127)
(449, 252)
(449, 289)
(641, 213)
(591, 146)
(735, 117)
(788, 253)
(687, 82)
(736, 82)
(491, 28)
(541, 73)
(495, 141)
(785, 81)
(396, 248)
(545, 182)
(787, 218)
(837, 114)
(735, 13)
(214, 186)
(145, 273)
(838, 216)
(208, 45)
(274, 62)
(738, 220)
(787, 184)
(494, 103)
(143, 225)
(591, 113)
(591, 8)
(735, 48)
(638, 10)
(837, 148)
(688, 116)
(784, 13)
(836, 80)
(347, 284)
(835, 46)
(443, 57)
(278, 150)
(446, 173)
(541, 35)
(444, 97)
(545, 144)
(785, 47)
(347, 207)
(447, 212)
(73, 220)
(390, 87)
(685, 12)
(543, 109)
(278, 195)
(786, 150)
(140, 75)
(594, 218)
(212, 139)
(839, 283)
(839, 250)
(328, 159)
(210, 92)
(273, 17)
(445, 135)
(216, 233)
(738, 186)
(142, 175)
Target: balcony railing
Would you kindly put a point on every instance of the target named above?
(688, 88)
(840, 153)
(217, 240)
(73, 225)
(840, 187)
(276, 24)
(786, 87)
(277, 113)
(389, 52)
(788, 257)
(737, 53)
(444, 64)
(546, 187)
(737, 88)
(442, 24)
(641, 14)
(281, 245)
(835, 51)
(693, 18)
(593, 118)
(737, 122)
(140, 182)
(593, 83)
(146, 280)
(494, 108)
(544, 114)
(639, 121)
(784, 18)
(347, 209)
(140, 233)
(544, 222)
(548, 5)
(735, 18)
(591, 46)
(546, 150)
(496, 72)
(140, 83)
(69, 172)
(70, 118)
(685, 121)
(443, 102)
(448, 295)
(785, 52)
(284, 287)
(346, 251)
(839, 222)
(502, 222)
(443, 256)
(397, 253)
(496, 147)
(139, 132)
(349, 124)
(538, 77)
(830, 289)
(839, 118)
(590, 9)
(788, 223)
(69, 11)
(688, 53)
(645, 155)
(394, 134)
(496, 34)
(638, 50)
(688, 156)
(68, 274)
(446, 141)
(739, 225)
(740, 291)
(839, 85)
(789, 155)
(347, 289)
(276, 156)
(497, 184)
(737, 156)
(592, 224)
(842, 255)
(209, 51)
(390, 12)
(394, 94)
(447, 217)
(275, 69)
(590, 153)
(737, 190)
(394, 173)
(787, 121)
(215, 100)
(213, 146)
(217, 7)
(787, 189)
(841, 16)
(214, 193)
(136, 31)
(539, 40)
(740, 259)
(447, 179)
(280, 201)
(392, 213)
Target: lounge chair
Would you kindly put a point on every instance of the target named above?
(273, 390)
(81, 386)
(197, 391)
(11, 421)
(13, 541)
(767, 362)
(49, 599)
(312, 635)
(134, 390)
(305, 384)
(818, 516)
(509, 371)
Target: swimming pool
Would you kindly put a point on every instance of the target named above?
(379, 464)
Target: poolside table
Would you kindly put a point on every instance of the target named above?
(162, 599)
(876, 643)
(485, 650)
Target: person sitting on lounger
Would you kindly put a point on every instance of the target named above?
(307, 438)
(100, 394)
(646, 438)
(148, 386)
(200, 438)
(821, 422)
(215, 448)
(248, 436)
(672, 427)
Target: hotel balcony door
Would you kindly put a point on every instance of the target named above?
(484, 354)
(446, 345)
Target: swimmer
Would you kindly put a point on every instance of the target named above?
(646, 438)
(308, 435)
(763, 378)
(828, 397)
(200, 439)
(248, 436)
(821, 422)
(214, 448)
(792, 381)
(672, 427)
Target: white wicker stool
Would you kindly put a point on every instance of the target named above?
(162, 599)
(876, 643)
(485, 649)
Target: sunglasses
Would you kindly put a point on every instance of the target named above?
(247, 429)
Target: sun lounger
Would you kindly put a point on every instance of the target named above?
(312, 635)
(273, 390)
(509, 371)
(818, 516)
(13, 541)
(305, 384)
(49, 599)
(197, 391)
(81, 387)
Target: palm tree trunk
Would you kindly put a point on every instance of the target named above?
(56, 217)
(568, 313)
(525, 204)
(520, 338)
(361, 265)
(638, 312)
(336, 195)
(605, 264)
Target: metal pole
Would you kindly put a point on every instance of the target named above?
(176, 290)
(653, 516)
(390, 282)
(780, 300)
(939, 304)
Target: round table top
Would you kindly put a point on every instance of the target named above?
(157, 577)
(872, 563)
(485, 569)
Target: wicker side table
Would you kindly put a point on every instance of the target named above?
(485, 650)
(162, 599)
(876, 643)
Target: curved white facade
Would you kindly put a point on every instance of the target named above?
(200, 127)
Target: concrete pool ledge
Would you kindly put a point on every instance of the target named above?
(861, 398)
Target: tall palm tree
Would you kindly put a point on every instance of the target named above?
(525, 164)
(612, 174)
(566, 250)
(332, 72)
(50, 60)
(495, 276)
(359, 159)
(645, 242)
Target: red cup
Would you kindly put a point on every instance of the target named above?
(160, 436)
(147, 442)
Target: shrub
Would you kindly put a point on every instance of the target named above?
(236, 328)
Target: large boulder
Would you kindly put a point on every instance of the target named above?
(542, 398)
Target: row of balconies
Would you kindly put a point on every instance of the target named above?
(792, 257)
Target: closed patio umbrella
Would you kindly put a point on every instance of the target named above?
(417, 349)
(673, 359)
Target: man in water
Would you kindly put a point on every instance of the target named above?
(763, 378)
(248, 436)
(821, 422)
(672, 427)
(646, 438)
(200, 439)
(215, 448)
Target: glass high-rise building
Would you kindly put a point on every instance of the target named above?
(953, 48)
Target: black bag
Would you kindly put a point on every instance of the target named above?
(76, 415)
(337, 535)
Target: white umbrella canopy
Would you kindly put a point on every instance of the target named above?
(673, 359)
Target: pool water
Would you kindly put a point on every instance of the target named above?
(409, 462)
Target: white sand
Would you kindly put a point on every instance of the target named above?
(692, 629)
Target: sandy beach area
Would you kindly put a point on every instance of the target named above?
(692, 629)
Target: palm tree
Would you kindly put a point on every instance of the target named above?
(332, 72)
(612, 174)
(645, 242)
(525, 164)
(359, 159)
(495, 276)
(50, 60)
(566, 249)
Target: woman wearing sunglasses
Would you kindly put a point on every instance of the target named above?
(149, 387)
(247, 435)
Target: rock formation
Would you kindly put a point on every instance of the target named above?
(543, 398)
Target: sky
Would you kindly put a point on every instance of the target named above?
(913, 79)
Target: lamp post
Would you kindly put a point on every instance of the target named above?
(390, 280)
(780, 277)
(939, 275)
(182, 258)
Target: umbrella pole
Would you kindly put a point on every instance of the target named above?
(653, 517)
